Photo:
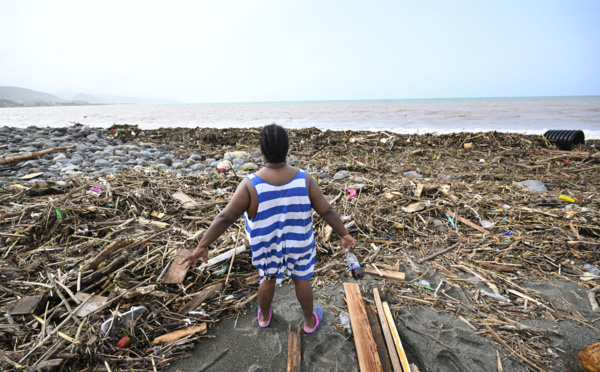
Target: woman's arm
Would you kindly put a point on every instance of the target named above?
(238, 204)
(326, 211)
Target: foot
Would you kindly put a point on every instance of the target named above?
(318, 316)
(264, 321)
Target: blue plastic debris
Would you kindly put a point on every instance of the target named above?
(451, 220)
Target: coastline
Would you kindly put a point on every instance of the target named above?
(450, 326)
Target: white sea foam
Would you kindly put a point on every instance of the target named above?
(533, 115)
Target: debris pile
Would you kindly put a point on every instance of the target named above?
(90, 279)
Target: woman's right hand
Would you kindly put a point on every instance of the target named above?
(348, 242)
(192, 259)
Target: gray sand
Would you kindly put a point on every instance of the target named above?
(433, 341)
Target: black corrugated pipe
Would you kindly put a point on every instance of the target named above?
(565, 139)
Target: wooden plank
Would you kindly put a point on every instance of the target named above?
(396, 336)
(181, 333)
(177, 272)
(185, 200)
(387, 334)
(419, 190)
(382, 350)
(26, 305)
(368, 359)
(386, 274)
(200, 298)
(294, 363)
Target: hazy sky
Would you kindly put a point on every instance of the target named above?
(278, 50)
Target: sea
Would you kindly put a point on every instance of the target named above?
(529, 115)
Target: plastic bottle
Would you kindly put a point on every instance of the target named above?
(355, 269)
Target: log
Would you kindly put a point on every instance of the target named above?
(386, 274)
(105, 253)
(382, 350)
(294, 363)
(35, 154)
(387, 333)
(200, 298)
(396, 336)
(368, 359)
(180, 333)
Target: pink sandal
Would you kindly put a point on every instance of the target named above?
(319, 315)
(268, 323)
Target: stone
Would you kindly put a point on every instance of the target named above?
(225, 164)
(195, 157)
(249, 166)
(324, 176)
(341, 175)
(412, 174)
(178, 165)
(59, 157)
(166, 161)
(534, 185)
(198, 167)
(102, 163)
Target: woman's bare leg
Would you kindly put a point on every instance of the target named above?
(266, 291)
(304, 293)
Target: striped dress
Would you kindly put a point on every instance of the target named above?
(281, 235)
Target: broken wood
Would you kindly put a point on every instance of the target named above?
(387, 333)
(105, 253)
(294, 362)
(25, 305)
(368, 359)
(386, 274)
(177, 271)
(382, 350)
(185, 200)
(438, 253)
(200, 297)
(396, 337)
(35, 154)
(176, 335)
(467, 222)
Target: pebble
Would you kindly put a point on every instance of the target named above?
(98, 153)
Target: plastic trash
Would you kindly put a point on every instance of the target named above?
(496, 296)
(425, 284)
(565, 139)
(451, 220)
(355, 269)
(352, 193)
(591, 269)
(129, 316)
(567, 198)
(345, 319)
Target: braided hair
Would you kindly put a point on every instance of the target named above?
(274, 143)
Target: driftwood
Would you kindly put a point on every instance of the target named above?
(35, 154)
(294, 361)
(424, 259)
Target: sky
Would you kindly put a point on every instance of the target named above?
(283, 50)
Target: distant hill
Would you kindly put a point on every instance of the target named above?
(17, 97)
(21, 97)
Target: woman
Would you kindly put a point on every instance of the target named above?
(277, 202)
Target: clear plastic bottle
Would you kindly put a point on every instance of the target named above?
(355, 269)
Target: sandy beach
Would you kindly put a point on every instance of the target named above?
(513, 293)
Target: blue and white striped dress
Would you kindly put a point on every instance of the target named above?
(281, 235)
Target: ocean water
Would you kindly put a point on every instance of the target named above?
(532, 115)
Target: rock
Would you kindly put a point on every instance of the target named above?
(178, 165)
(93, 138)
(249, 166)
(324, 176)
(198, 167)
(438, 223)
(239, 161)
(162, 166)
(444, 177)
(165, 148)
(59, 157)
(109, 150)
(69, 168)
(195, 157)
(533, 185)
(292, 160)
(166, 161)
(341, 175)
(103, 163)
(225, 164)
(589, 358)
(144, 154)
(412, 174)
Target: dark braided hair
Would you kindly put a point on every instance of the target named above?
(274, 143)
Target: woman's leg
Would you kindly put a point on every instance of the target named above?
(266, 290)
(304, 294)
